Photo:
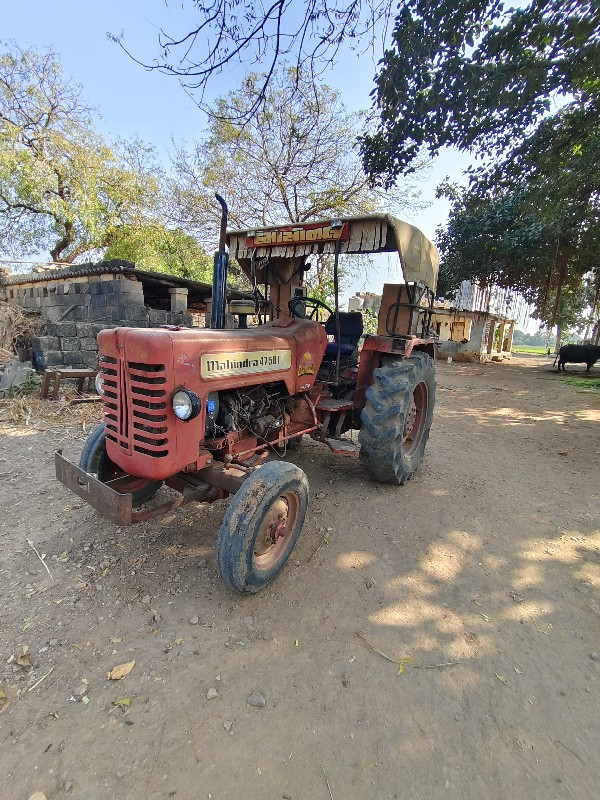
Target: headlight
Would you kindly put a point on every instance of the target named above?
(186, 404)
(99, 383)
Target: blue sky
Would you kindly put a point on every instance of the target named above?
(132, 100)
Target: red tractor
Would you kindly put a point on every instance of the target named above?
(199, 410)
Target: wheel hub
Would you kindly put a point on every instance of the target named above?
(411, 416)
(276, 530)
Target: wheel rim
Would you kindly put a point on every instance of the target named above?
(276, 530)
(415, 419)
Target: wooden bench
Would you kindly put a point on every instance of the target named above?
(56, 374)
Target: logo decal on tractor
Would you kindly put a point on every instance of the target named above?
(217, 365)
(306, 365)
(298, 234)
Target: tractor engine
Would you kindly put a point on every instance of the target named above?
(254, 410)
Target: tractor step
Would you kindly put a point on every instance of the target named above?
(342, 447)
(331, 405)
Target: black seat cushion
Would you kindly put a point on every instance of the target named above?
(351, 327)
(345, 349)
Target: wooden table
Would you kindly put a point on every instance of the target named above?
(56, 374)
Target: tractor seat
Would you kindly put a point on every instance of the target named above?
(351, 328)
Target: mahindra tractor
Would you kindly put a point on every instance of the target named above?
(201, 410)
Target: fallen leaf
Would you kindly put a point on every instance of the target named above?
(296, 643)
(404, 663)
(85, 700)
(121, 671)
(178, 641)
(116, 639)
(518, 671)
(124, 702)
(24, 658)
(485, 616)
(27, 624)
(501, 678)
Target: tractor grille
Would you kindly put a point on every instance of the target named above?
(135, 406)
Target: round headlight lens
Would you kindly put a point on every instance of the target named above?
(99, 383)
(186, 405)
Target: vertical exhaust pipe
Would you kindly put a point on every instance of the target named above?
(219, 290)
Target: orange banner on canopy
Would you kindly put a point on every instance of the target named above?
(298, 234)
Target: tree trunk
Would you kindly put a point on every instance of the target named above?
(561, 264)
(596, 310)
(559, 333)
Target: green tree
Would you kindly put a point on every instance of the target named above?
(62, 188)
(481, 78)
(295, 160)
(517, 239)
(156, 248)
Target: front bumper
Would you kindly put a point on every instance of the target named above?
(110, 503)
(212, 483)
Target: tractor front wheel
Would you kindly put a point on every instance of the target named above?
(94, 460)
(262, 525)
(397, 417)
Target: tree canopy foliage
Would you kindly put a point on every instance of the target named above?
(62, 188)
(480, 77)
(157, 248)
(517, 87)
(294, 160)
(545, 249)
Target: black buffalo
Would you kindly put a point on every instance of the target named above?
(578, 354)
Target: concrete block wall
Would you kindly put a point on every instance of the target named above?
(92, 306)
(109, 301)
(67, 344)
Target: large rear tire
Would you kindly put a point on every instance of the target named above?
(94, 460)
(397, 417)
(262, 525)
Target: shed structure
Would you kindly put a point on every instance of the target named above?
(78, 301)
(472, 335)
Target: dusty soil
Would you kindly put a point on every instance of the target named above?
(490, 557)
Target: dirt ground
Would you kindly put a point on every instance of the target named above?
(489, 557)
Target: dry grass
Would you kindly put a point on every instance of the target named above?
(30, 411)
(16, 328)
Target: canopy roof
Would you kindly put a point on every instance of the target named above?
(371, 233)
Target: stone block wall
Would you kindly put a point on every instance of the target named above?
(67, 344)
(113, 301)
(78, 311)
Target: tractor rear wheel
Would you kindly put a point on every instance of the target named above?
(94, 460)
(262, 525)
(397, 417)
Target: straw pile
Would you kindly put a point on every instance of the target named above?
(16, 329)
(30, 411)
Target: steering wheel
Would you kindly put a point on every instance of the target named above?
(310, 307)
